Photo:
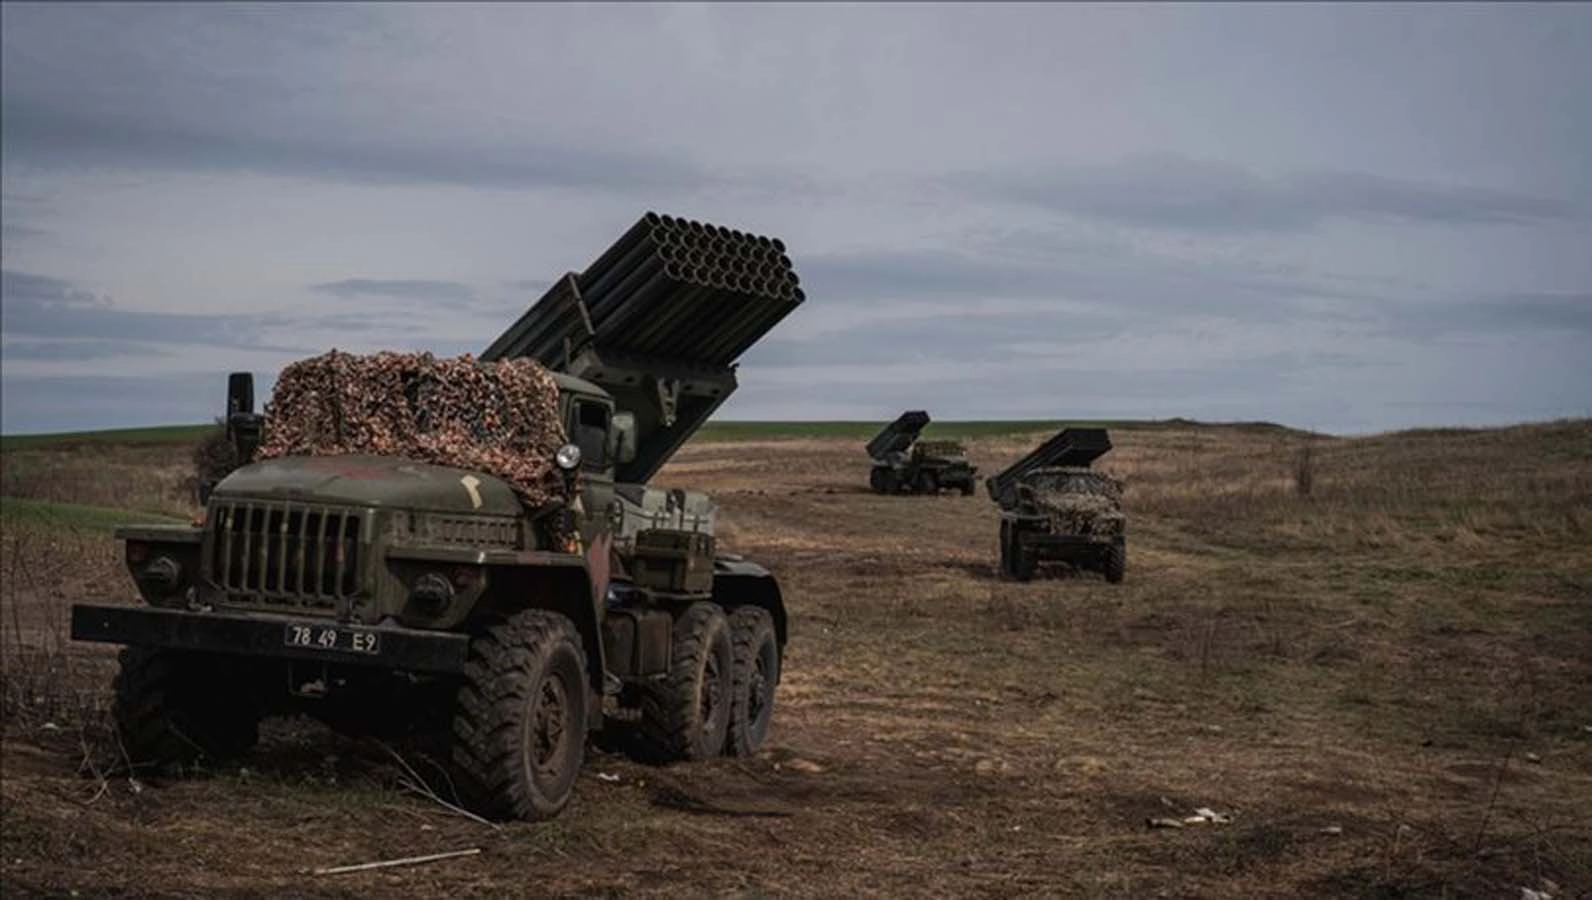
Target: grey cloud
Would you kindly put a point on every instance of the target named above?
(46, 318)
(43, 291)
(950, 340)
(450, 293)
(1544, 312)
(1277, 387)
(997, 391)
(919, 273)
(78, 351)
(127, 127)
(71, 403)
(59, 138)
(1551, 311)
(1120, 286)
(456, 348)
(11, 234)
(1173, 192)
(40, 306)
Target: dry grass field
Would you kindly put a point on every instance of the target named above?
(1385, 682)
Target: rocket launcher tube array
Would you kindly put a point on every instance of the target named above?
(898, 435)
(647, 277)
(1069, 447)
(659, 319)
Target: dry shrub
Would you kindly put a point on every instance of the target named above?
(44, 679)
(214, 458)
(1305, 471)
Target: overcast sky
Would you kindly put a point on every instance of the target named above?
(1350, 218)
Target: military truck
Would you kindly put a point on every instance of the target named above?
(1055, 508)
(517, 604)
(904, 464)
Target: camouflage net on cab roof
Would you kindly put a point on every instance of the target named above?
(1080, 513)
(500, 418)
(1079, 501)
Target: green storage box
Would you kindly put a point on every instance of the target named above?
(679, 562)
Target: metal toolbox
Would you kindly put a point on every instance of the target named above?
(679, 562)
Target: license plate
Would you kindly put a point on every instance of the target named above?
(327, 637)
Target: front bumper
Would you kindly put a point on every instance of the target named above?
(272, 636)
(1067, 547)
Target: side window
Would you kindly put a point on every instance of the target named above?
(591, 434)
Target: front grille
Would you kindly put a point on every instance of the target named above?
(470, 531)
(290, 555)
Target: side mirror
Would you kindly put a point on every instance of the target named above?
(622, 437)
(243, 423)
(240, 393)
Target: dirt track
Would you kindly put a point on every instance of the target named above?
(1382, 707)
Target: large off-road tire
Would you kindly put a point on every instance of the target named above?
(967, 488)
(1024, 560)
(755, 656)
(519, 729)
(686, 714)
(888, 483)
(928, 483)
(1116, 562)
(876, 480)
(177, 707)
(1008, 567)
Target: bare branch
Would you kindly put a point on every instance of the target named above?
(417, 785)
(407, 861)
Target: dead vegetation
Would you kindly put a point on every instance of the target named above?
(1385, 680)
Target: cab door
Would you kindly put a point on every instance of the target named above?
(588, 427)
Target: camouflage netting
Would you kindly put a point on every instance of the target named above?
(1079, 501)
(1072, 513)
(495, 417)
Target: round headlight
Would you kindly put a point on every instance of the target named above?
(432, 592)
(162, 576)
(567, 457)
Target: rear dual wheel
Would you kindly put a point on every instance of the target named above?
(756, 662)
(686, 714)
(718, 697)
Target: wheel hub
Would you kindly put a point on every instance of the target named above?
(710, 693)
(548, 734)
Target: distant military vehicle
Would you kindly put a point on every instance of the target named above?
(474, 544)
(904, 464)
(1055, 508)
